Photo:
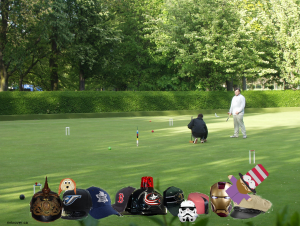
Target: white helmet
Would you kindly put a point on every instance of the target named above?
(187, 211)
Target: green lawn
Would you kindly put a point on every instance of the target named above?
(33, 149)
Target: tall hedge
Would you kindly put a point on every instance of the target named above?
(17, 103)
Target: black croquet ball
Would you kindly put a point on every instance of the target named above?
(22, 197)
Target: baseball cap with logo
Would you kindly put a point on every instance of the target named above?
(101, 203)
(201, 202)
(76, 206)
(248, 209)
(122, 198)
(173, 197)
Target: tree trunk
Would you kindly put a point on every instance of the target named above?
(4, 8)
(81, 79)
(244, 83)
(53, 66)
(229, 85)
(21, 82)
(3, 74)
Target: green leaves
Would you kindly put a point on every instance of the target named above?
(281, 25)
(204, 41)
(94, 102)
(149, 44)
(283, 219)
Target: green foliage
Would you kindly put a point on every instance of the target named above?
(175, 219)
(23, 38)
(204, 44)
(133, 65)
(95, 35)
(283, 218)
(15, 103)
(159, 45)
(279, 22)
(88, 221)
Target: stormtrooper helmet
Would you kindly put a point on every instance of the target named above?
(187, 211)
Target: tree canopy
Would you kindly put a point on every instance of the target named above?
(148, 44)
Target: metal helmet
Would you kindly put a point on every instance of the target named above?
(45, 205)
(220, 201)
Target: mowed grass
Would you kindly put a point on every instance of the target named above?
(32, 150)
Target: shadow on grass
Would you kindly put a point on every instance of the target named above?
(193, 168)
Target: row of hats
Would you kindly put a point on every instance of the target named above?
(46, 206)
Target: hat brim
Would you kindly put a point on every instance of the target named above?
(119, 209)
(101, 212)
(173, 208)
(238, 214)
(241, 176)
(71, 217)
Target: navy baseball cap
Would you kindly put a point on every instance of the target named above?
(101, 203)
(122, 198)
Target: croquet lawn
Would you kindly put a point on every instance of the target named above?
(33, 149)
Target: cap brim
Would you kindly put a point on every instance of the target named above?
(173, 208)
(101, 212)
(119, 209)
(253, 190)
(242, 215)
(70, 217)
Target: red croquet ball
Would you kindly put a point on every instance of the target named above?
(152, 131)
(150, 121)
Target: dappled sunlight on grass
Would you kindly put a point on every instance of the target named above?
(177, 169)
(295, 160)
(135, 166)
(165, 154)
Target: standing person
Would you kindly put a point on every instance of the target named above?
(237, 110)
(199, 129)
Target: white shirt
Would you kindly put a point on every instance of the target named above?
(237, 104)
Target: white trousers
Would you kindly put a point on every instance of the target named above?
(238, 122)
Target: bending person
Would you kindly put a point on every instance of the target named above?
(199, 129)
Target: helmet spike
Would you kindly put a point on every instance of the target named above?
(46, 190)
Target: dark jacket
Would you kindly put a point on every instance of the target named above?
(198, 126)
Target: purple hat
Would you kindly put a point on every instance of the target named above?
(101, 203)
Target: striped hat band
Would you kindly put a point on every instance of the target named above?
(258, 174)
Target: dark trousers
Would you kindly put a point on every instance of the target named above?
(200, 135)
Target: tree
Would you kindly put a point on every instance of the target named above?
(281, 24)
(201, 41)
(135, 67)
(94, 35)
(21, 39)
(60, 36)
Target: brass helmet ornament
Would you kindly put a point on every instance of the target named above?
(45, 205)
(220, 201)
